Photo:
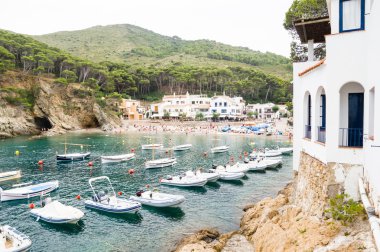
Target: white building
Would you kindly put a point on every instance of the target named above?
(264, 110)
(336, 102)
(227, 107)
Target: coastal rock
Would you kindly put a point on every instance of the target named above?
(238, 243)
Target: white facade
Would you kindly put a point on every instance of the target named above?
(345, 127)
(227, 107)
(264, 110)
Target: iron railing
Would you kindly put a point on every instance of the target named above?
(322, 134)
(308, 131)
(351, 137)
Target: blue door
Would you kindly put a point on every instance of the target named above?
(355, 119)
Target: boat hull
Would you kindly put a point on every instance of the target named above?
(199, 183)
(56, 221)
(173, 202)
(73, 157)
(112, 209)
(5, 176)
(17, 194)
(116, 159)
(182, 147)
(24, 243)
(160, 163)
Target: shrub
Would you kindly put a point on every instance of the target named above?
(344, 209)
(62, 81)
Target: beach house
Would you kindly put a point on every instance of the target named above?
(264, 110)
(132, 109)
(227, 107)
(337, 101)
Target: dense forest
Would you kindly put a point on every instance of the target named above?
(147, 82)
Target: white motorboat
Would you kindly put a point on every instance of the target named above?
(236, 168)
(211, 177)
(271, 163)
(117, 158)
(220, 149)
(182, 147)
(160, 163)
(151, 146)
(12, 240)
(109, 202)
(186, 180)
(4, 176)
(29, 191)
(226, 175)
(270, 153)
(73, 156)
(56, 212)
(285, 150)
(157, 199)
(255, 165)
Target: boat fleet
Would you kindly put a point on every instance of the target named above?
(106, 200)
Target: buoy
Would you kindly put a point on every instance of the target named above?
(147, 186)
(119, 193)
(78, 197)
(205, 154)
(41, 162)
(160, 180)
(166, 152)
(240, 157)
(131, 171)
(17, 152)
(132, 150)
(90, 163)
(245, 153)
(31, 205)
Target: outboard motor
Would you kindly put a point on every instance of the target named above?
(169, 177)
(139, 193)
(94, 198)
(214, 166)
(46, 201)
(246, 160)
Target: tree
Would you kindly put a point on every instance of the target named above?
(6, 59)
(199, 116)
(250, 114)
(166, 115)
(289, 107)
(70, 76)
(275, 108)
(215, 116)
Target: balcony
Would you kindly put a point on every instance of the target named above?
(321, 134)
(308, 131)
(351, 137)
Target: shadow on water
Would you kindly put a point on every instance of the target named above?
(213, 185)
(257, 171)
(195, 189)
(71, 229)
(273, 169)
(131, 218)
(233, 182)
(173, 213)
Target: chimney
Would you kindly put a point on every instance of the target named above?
(310, 50)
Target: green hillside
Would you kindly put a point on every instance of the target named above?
(134, 45)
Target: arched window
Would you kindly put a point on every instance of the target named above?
(307, 115)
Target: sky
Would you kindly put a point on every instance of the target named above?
(256, 24)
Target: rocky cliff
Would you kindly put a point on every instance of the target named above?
(292, 221)
(33, 105)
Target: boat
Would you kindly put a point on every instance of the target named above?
(220, 149)
(270, 153)
(157, 199)
(224, 175)
(255, 164)
(186, 180)
(29, 191)
(151, 146)
(211, 177)
(4, 176)
(109, 202)
(285, 150)
(182, 147)
(12, 240)
(117, 158)
(78, 156)
(160, 163)
(236, 168)
(271, 163)
(56, 212)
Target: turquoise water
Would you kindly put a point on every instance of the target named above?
(218, 205)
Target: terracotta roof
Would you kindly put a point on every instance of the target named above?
(319, 63)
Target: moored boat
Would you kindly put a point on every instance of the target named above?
(73, 156)
(157, 199)
(4, 176)
(160, 163)
(285, 150)
(255, 165)
(29, 191)
(211, 177)
(220, 149)
(224, 175)
(12, 240)
(185, 180)
(117, 158)
(151, 146)
(182, 147)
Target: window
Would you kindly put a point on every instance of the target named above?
(225, 104)
(201, 102)
(214, 111)
(193, 102)
(351, 14)
(177, 102)
(182, 102)
(220, 104)
(323, 111)
(309, 111)
(224, 111)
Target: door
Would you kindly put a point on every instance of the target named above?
(355, 119)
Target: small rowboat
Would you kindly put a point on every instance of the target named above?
(102, 201)
(57, 213)
(10, 175)
(182, 147)
(157, 199)
(220, 149)
(117, 158)
(160, 163)
(73, 156)
(12, 240)
(151, 146)
(28, 191)
(188, 180)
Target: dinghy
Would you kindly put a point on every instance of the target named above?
(285, 150)
(12, 240)
(102, 201)
(220, 149)
(57, 213)
(269, 153)
(160, 163)
(73, 156)
(117, 158)
(29, 191)
(226, 175)
(186, 180)
(10, 175)
(157, 199)
(211, 177)
(255, 165)
(151, 146)
(182, 147)
(272, 163)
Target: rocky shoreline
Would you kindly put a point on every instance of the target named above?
(279, 224)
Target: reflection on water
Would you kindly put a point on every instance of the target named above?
(216, 205)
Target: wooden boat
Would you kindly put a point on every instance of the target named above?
(151, 146)
(220, 149)
(78, 156)
(182, 147)
(12, 240)
(160, 163)
(117, 158)
(10, 175)
(29, 191)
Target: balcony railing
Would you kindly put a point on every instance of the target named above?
(308, 131)
(322, 134)
(351, 137)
